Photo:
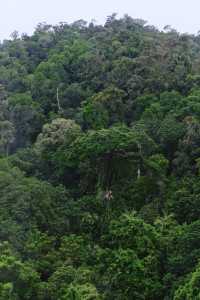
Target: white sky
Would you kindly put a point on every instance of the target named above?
(24, 15)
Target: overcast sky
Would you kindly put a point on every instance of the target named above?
(24, 15)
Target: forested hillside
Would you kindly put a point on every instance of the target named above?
(100, 163)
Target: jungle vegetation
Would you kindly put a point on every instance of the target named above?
(100, 163)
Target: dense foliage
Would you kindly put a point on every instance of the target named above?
(100, 163)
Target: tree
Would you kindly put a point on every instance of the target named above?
(7, 132)
(109, 153)
(78, 292)
(56, 134)
(104, 109)
(15, 274)
(190, 289)
(27, 117)
(131, 261)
